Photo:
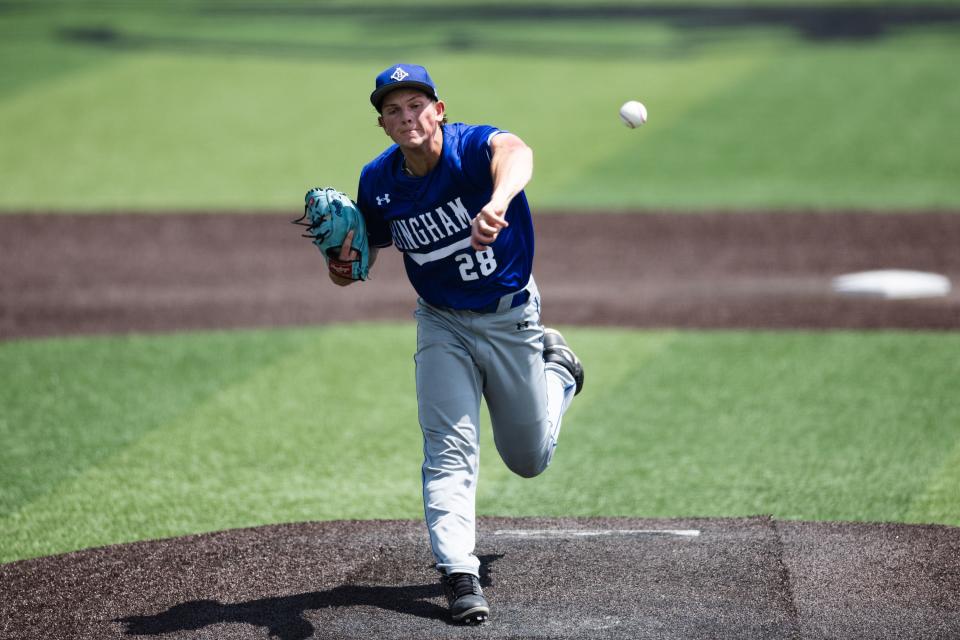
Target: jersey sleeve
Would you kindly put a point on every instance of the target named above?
(377, 229)
(476, 153)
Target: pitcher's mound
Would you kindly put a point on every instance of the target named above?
(544, 578)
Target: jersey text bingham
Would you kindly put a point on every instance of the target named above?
(419, 231)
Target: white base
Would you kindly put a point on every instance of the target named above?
(892, 284)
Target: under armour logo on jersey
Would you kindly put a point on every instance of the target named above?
(384, 200)
(523, 325)
(399, 74)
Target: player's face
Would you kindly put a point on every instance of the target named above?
(410, 118)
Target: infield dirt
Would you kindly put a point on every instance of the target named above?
(63, 274)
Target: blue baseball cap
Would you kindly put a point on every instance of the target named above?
(402, 76)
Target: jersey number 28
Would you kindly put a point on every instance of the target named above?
(484, 261)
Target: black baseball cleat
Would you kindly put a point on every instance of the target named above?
(555, 350)
(465, 597)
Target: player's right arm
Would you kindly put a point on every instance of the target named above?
(511, 168)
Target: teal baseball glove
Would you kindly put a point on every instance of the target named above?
(329, 216)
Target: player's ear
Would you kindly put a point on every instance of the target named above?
(441, 110)
(380, 121)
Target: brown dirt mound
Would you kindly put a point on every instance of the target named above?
(750, 578)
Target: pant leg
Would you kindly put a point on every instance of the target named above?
(526, 397)
(448, 397)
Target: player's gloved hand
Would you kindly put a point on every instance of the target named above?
(338, 229)
(341, 267)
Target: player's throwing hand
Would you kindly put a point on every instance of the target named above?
(486, 226)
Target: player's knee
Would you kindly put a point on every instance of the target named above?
(526, 471)
(529, 467)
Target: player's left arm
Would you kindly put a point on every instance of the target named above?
(511, 166)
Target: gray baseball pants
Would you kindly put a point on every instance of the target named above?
(461, 357)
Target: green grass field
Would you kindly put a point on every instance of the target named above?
(114, 106)
(234, 105)
(115, 439)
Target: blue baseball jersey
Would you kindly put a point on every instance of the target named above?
(428, 219)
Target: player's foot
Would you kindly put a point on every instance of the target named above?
(467, 604)
(555, 350)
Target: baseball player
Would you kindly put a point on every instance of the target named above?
(450, 198)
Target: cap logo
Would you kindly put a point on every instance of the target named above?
(399, 74)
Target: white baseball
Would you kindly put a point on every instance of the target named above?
(633, 113)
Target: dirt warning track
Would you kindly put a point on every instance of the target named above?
(63, 274)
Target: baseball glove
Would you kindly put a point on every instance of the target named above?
(328, 216)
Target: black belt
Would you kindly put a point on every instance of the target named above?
(519, 298)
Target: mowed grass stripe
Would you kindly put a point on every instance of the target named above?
(320, 431)
(833, 426)
(611, 360)
(209, 114)
(834, 126)
(189, 148)
(572, 137)
(940, 500)
(830, 425)
(69, 403)
(169, 131)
